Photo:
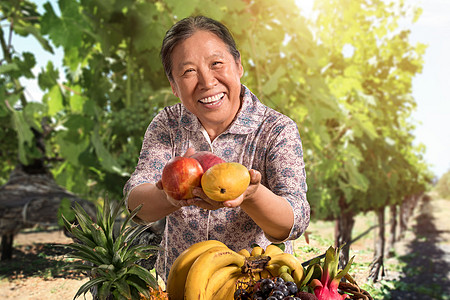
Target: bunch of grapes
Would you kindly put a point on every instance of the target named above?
(269, 289)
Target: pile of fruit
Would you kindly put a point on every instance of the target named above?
(210, 270)
(220, 180)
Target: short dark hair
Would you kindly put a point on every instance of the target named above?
(184, 29)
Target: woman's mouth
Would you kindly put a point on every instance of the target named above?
(212, 99)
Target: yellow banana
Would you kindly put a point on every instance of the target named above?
(219, 278)
(273, 269)
(286, 276)
(284, 269)
(265, 274)
(257, 250)
(180, 268)
(244, 252)
(226, 292)
(205, 266)
(292, 262)
(273, 250)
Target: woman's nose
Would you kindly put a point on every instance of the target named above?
(207, 79)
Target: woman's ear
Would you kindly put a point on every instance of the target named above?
(240, 67)
(174, 89)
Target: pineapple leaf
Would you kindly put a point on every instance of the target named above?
(105, 290)
(117, 208)
(83, 218)
(123, 288)
(88, 285)
(127, 236)
(103, 252)
(86, 253)
(107, 220)
(140, 285)
(130, 217)
(139, 230)
(117, 260)
(85, 238)
(138, 252)
(99, 235)
(79, 267)
(105, 273)
(143, 274)
(118, 296)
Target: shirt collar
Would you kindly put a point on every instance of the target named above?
(247, 120)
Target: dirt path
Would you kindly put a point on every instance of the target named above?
(36, 270)
(422, 261)
(425, 255)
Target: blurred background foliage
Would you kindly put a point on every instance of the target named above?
(343, 75)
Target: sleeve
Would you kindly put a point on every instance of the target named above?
(156, 151)
(285, 173)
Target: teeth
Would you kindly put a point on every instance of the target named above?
(212, 98)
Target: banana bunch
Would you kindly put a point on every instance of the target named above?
(210, 270)
(200, 270)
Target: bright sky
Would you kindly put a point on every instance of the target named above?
(431, 88)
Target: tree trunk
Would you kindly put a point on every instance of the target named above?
(343, 236)
(404, 216)
(392, 231)
(377, 263)
(7, 248)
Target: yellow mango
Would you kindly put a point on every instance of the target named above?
(225, 181)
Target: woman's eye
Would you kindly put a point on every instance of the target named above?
(216, 63)
(188, 71)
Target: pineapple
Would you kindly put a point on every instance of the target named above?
(110, 260)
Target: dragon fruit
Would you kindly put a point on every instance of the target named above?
(327, 287)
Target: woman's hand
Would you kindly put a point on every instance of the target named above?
(174, 202)
(205, 202)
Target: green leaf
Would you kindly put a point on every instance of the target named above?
(54, 100)
(143, 274)
(24, 134)
(88, 285)
(184, 10)
(105, 290)
(123, 288)
(343, 272)
(105, 158)
(76, 100)
(282, 246)
(308, 275)
(86, 253)
(66, 31)
(272, 84)
(6, 68)
(48, 78)
(140, 285)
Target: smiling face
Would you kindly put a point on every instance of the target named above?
(206, 78)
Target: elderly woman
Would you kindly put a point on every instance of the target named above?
(219, 114)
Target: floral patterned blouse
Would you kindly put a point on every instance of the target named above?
(260, 138)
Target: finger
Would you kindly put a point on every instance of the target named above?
(189, 152)
(159, 185)
(255, 176)
(198, 192)
(233, 203)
